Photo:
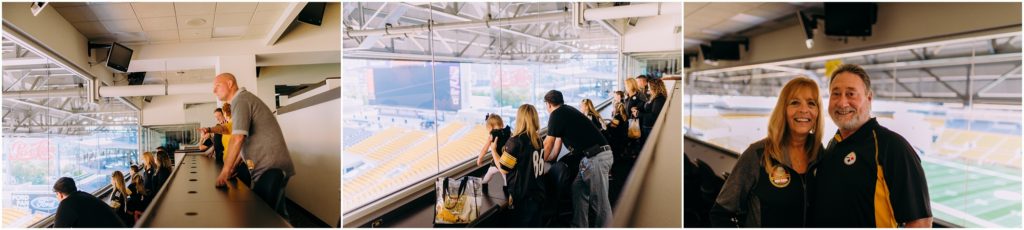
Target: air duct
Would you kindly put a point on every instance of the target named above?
(630, 11)
(117, 91)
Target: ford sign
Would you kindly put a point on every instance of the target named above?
(45, 203)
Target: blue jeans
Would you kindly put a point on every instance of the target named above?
(591, 207)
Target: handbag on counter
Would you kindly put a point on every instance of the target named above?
(458, 200)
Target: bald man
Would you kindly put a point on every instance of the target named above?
(256, 133)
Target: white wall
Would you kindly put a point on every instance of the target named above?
(292, 75)
(170, 110)
(202, 114)
(653, 34)
(313, 135)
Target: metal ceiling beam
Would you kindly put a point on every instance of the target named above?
(32, 104)
(283, 22)
(986, 88)
(461, 18)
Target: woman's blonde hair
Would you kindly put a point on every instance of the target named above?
(527, 122)
(117, 180)
(778, 130)
(631, 86)
(493, 120)
(588, 109)
(657, 88)
(139, 186)
(620, 108)
(148, 160)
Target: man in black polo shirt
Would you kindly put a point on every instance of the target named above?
(81, 210)
(868, 176)
(591, 207)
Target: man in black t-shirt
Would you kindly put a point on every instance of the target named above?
(591, 207)
(81, 210)
(868, 176)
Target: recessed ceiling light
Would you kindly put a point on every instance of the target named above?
(196, 22)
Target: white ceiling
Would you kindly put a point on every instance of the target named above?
(705, 21)
(165, 22)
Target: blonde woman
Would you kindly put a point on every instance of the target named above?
(499, 134)
(525, 188)
(648, 114)
(119, 198)
(588, 109)
(767, 187)
(139, 198)
(149, 171)
(635, 98)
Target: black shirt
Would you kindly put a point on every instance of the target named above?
(752, 198)
(522, 183)
(82, 210)
(574, 128)
(849, 192)
(637, 101)
(218, 148)
(502, 136)
(651, 110)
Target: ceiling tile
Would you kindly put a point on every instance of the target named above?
(162, 23)
(272, 6)
(66, 4)
(194, 34)
(195, 21)
(153, 9)
(123, 26)
(114, 11)
(130, 37)
(259, 30)
(232, 19)
(236, 7)
(194, 8)
(90, 29)
(265, 17)
(230, 31)
(162, 35)
(77, 13)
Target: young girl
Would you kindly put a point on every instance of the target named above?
(119, 198)
(495, 142)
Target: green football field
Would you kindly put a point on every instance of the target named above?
(974, 196)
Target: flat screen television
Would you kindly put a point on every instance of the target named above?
(119, 57)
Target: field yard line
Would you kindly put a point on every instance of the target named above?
(971, 168)
(961, 214)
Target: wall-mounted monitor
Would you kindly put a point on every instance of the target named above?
(119, 57)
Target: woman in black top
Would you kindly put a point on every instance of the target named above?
(119, 198)
(635, 99)
(138, 200)
(648, 114)
(163, 172)
(767, 187)
(520, 161)
(587, 107)
(149, 171)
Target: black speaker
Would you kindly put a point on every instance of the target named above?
(850, 18)
(136, 78)
(313, 13)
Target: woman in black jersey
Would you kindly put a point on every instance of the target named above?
(522, 163)
(767, 187)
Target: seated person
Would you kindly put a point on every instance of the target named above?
(79, 209)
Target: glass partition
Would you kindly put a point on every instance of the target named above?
(51, 129)
(414, 108)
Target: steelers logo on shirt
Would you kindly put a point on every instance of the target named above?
(779, 177)
(850, 158)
